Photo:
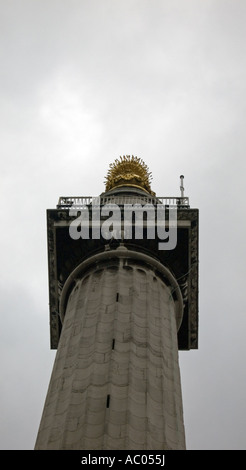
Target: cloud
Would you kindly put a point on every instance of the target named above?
(82, 83)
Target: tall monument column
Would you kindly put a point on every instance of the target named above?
(119, 311)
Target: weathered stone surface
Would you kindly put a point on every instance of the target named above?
(116, 381)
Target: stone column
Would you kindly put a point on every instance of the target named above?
(116, 381)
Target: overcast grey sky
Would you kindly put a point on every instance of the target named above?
(81, 83)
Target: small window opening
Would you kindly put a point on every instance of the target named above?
(108, 400)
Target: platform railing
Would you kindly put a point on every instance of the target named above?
(66, 202)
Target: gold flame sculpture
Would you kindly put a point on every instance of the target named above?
(129, 171)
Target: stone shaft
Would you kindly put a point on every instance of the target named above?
(116, 381)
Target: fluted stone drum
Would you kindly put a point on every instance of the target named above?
(116, 381)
